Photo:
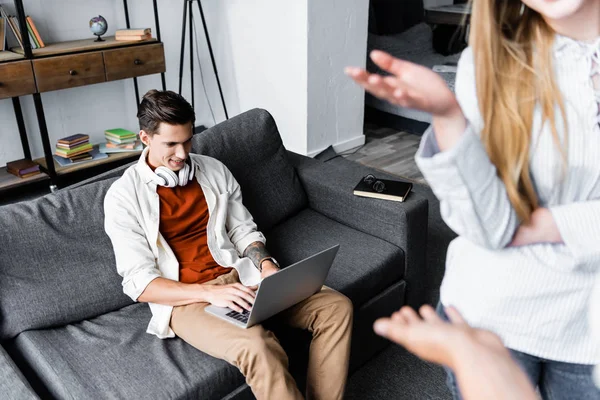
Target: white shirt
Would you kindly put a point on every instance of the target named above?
(132, 217)
(535, 297)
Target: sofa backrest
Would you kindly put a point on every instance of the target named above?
(56, 262)
(250, 146)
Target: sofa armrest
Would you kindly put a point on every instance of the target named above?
(330, 192)
(13, 384)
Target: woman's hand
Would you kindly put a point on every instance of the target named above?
(541, 229)
(483, 366)
(414, 86)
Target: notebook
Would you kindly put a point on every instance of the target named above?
(388, 189)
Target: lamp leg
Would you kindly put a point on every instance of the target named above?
(212, 58)
(185, 6)
(192, 54)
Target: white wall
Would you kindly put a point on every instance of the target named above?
(337, 37)
(284, 56)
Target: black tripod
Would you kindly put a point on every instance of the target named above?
(188, 4)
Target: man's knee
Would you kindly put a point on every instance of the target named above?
(340, 308)
(259, 347)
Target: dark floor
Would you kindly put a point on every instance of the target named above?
(390, 150)
(395, 374)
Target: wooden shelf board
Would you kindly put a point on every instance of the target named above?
(88, 164)
(76, 46)
(9, 181)
(10, 56)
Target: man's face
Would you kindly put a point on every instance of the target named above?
(169, 146)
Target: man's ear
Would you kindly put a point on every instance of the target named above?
(144, 137)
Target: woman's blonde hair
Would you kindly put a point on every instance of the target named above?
(512, 47)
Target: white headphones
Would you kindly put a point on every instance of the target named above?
(166, 177)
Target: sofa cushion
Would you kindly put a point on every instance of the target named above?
(56, 262)
(112, 357)
(13, 384)
(364, 266)
(250, 146)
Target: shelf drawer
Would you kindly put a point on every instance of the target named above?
(69, 71)
(16, 79)
(134, 61)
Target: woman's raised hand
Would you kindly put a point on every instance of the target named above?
(414, 86)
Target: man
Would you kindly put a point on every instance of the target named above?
(183, 240)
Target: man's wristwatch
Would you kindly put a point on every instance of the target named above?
(274, 261)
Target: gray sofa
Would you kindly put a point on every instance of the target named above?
(72, 334)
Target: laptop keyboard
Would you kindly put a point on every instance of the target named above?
(242, 317)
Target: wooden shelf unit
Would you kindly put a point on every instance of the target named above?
(64, 65)
(10, 181)
(88, 164)
(80, 46)
(10, 56)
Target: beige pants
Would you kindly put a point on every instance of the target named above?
(256, 352)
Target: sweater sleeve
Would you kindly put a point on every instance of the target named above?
(473, 199)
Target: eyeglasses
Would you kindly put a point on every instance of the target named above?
(375, 184)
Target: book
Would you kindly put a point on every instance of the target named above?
(71, 145)
(13, 28)
(112, 145)
(73, 152)
(133, 32)
(119, 132)
(32, 38)
(63, 162)
(17, 30)
(119, 142)
(104, 148)
(36, 32)
(391, 190)
(133, 38)
(29, 174)
(111, 136)
(22, 167)
(73, 138)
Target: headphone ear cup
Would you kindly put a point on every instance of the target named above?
(184, 174)
(168, 177)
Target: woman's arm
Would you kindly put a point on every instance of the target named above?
(473, 199)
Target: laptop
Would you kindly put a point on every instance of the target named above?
(282, 290)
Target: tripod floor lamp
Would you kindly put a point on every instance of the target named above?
(188, 16)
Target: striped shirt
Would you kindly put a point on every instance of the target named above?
(535, 297)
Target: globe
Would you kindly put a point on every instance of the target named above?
(98, 26)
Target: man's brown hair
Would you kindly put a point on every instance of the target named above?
(164, 106)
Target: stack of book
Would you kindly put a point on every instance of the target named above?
(133, 35)
(23, 168)
(75, 147)
(11, 21)
(120, 140)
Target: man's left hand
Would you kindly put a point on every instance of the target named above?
(541, 229)
(268, 268)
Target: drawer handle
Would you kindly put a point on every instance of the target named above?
(137, 62)
(72, 72)
(1, 84)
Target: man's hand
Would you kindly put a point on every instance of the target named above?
(268, 268)
(235, 296)
(541, 229)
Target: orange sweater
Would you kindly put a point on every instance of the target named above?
(183, 221)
